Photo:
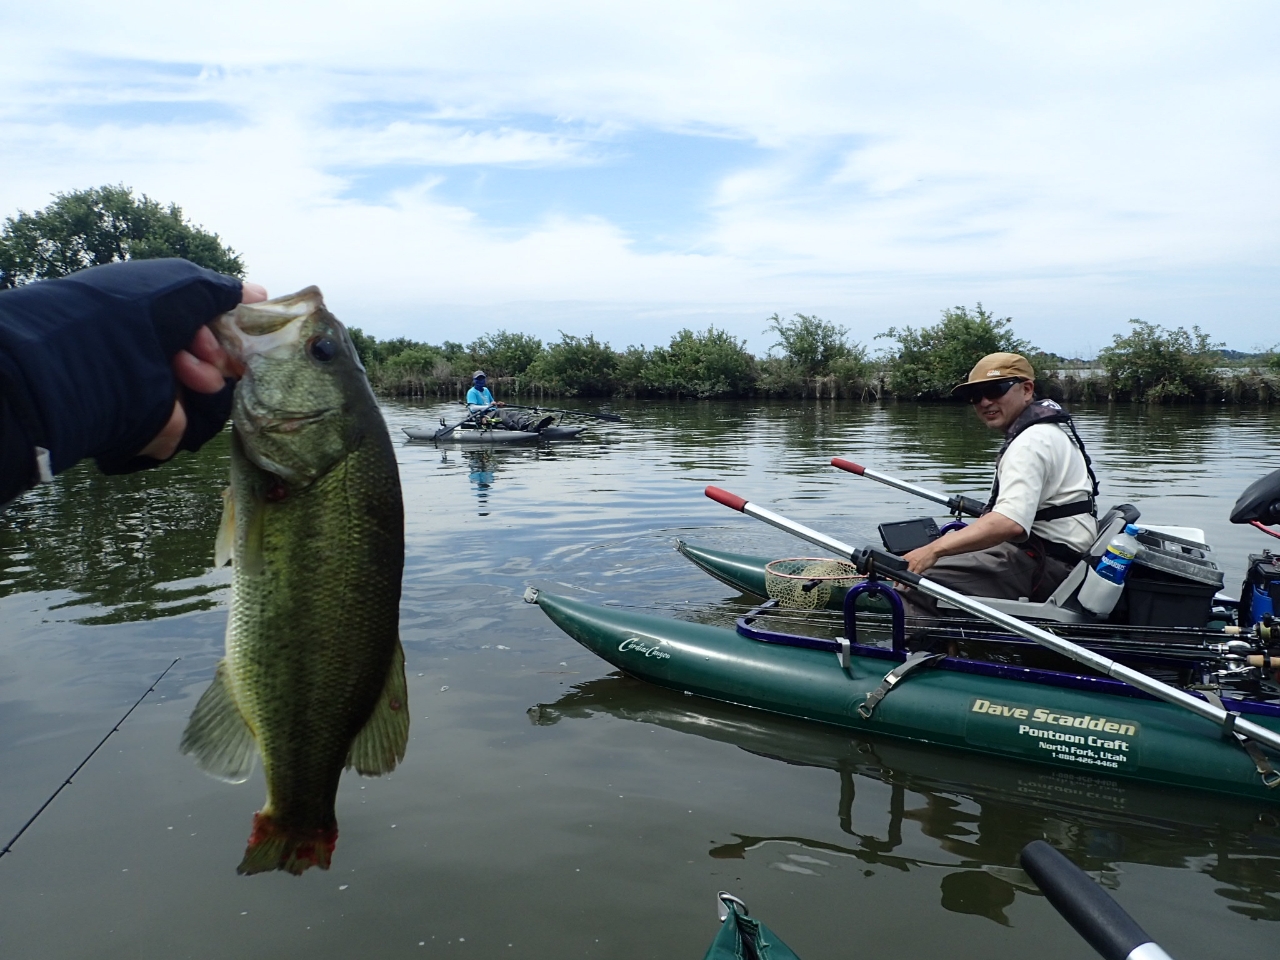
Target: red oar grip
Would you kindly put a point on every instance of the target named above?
(849, 465)
(730, 500)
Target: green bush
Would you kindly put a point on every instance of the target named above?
(629, 373)
(419, 361)
(366, 347)
(810, 343)
(709, 364)
(1157, 364)
(576, 366)
(504, 354)
(930, 361)
(855, 369)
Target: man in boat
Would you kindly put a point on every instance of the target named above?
(480, 401)
(1041, 516)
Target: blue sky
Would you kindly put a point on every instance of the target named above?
(445, 170)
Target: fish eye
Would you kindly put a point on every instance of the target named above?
(323, 349)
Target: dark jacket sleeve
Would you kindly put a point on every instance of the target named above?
(84, 364)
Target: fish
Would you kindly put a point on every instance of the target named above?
(313, 680)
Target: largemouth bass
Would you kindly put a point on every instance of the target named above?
(313, 522)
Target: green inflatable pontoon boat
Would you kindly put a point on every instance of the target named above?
(1073, 722)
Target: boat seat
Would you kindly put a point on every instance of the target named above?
(1062, 606)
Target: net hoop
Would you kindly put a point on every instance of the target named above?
(806, 582)
(848, 570)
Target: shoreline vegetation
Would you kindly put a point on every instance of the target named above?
(809, 357)
(812, 358)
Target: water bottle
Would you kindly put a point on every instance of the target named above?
(1104, 583)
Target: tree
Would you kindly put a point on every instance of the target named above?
(932, 360)
(1156, 364)
(709, 364)
(86, 228)
(576, 366)
(810, 343)
(504, 354)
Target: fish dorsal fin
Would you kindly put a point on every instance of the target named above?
(380, 744)
(217, 734)
(224, 545)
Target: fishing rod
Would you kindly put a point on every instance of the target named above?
(14, 839)
(870, 560)
(611, 417)
(956, 505)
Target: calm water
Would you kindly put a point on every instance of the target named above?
(547, 806)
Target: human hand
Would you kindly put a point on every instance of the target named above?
(922, 558)
(499, 404)
(203, 367)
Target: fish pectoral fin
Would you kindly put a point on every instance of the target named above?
(217, 734)
(224, 545)
(380, 744)
(250, 555)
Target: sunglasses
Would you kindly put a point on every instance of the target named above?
(991, 391)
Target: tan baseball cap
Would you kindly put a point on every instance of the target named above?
(996, 366)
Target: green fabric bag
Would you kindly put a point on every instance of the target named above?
(742, 938)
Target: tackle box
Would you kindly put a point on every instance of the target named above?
(1171, 583)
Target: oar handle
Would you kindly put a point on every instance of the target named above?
(1087, 907)
(730, 500)
(957, 505)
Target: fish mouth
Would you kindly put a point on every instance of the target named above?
(257, 329)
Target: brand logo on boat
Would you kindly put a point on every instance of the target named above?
(1080, 739)
(643, 646)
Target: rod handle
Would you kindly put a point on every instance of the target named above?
(1082, 903)
(848, 465)
(730, 500)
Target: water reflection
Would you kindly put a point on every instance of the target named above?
(121, 543)
(483, 468)
(980, 813)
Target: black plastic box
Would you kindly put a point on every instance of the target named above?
(1156, 601)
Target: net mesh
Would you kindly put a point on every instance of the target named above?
(806, 583)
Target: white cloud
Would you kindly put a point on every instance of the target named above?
(1073, 165)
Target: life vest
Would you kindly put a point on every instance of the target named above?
(1048, 412)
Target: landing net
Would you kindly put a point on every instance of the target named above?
(806, 583)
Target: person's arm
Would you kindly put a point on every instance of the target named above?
(107, 363)
(986, 531)
(1023, 470)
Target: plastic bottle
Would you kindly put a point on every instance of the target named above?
(1104, 583)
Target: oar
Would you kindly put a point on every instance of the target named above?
(611, 417)
(1087, 907)
(445, 431)
(871, 560)
(956, 505)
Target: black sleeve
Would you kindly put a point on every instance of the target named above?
(84, 364)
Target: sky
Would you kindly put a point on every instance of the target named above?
(445, 170)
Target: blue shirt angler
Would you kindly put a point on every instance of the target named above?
(479, 397)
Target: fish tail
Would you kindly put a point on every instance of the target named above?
(276, 847)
